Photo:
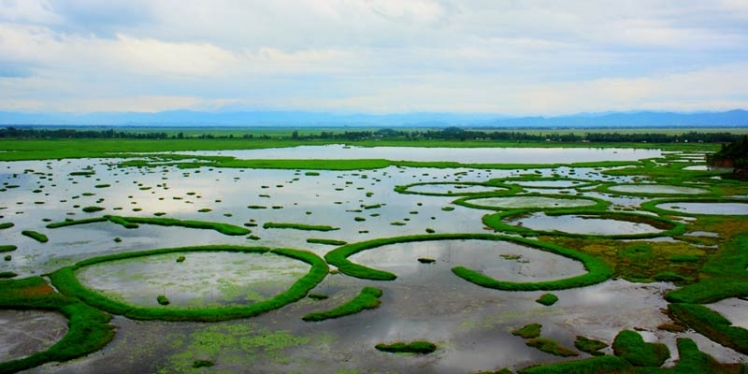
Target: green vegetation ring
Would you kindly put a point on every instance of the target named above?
(599, 204)
(598, 270)
(66, 282)
(88, 328)
(516, 182)
(607, 188)
(501, 189)
(671, 228)
(652, 205)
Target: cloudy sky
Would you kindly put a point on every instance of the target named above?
(373, 56)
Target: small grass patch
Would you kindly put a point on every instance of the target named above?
(547, 299)
(326, 241)
(7, 248)
(41, 238)
(630, 346)
(6, 225)
(417, 347)
(92, 209)
(590, 346)
(318, 296)
(551, 346)
(530, 331)
(163, 300)
(367, 299)
(297, 226)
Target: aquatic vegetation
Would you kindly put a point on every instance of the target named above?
(297, 226)
(530, 331)
(41, 238)
(367, 299)
(132, 223)
(630, 346)
(65, 281)
(7, 248)
(6, 225)
(547, 299)
(601, 364)
(163, 300)
(424, 260)
(92, 209)
(326, 241)
(318, 296)
(711, 324)
(590, 346)
(419, 347)
(551, 346)
(88, 329)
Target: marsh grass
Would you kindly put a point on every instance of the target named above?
(367, 299)
(66, 282)
(530, 331)
(590, 346)
(326, 241)
(547, 299)
(298, 226)
(630, 346)
(416, 347)
(88, 329)
(41, 238)
(7, 248)
(551, 346)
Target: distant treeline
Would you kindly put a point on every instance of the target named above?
(450, 134)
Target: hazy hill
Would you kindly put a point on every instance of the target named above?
(733, 118)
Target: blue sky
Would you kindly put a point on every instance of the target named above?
(373, 56)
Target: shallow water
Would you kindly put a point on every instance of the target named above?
(499, 260)
(658, 189)
(204, 279)
(462, 155)
(726, 209)
(549, 183)
(25, 332)
(471, 325)
(530, 202)
(453, 189)
(587, 224)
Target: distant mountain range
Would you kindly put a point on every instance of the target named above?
(186, 118)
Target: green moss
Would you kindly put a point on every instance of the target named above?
(418, 347)
(711, 324)
(7, 248)
(590, 346)
(551, 346)
(65, 281)
(163, 300)
(41, 238)
(88, 329)
(202, 364)
(326, 241)
(367, 299)
(547, 299)
(530, 331)
(297, 226)
(630, 346)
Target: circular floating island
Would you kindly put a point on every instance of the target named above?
(455, 189)
(550, 183)
(582, 223)
(697, 207)
(473, 250)
(193, 283)
(535, 202)
(655, 189)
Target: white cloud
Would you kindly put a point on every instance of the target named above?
(373, 55)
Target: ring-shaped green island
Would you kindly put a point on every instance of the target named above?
(597, 270)
(501, 221)
(66, 282)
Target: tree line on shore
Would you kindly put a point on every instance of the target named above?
(447, 134)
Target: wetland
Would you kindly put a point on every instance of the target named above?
(315, 259)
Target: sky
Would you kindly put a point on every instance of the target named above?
(511, 57)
